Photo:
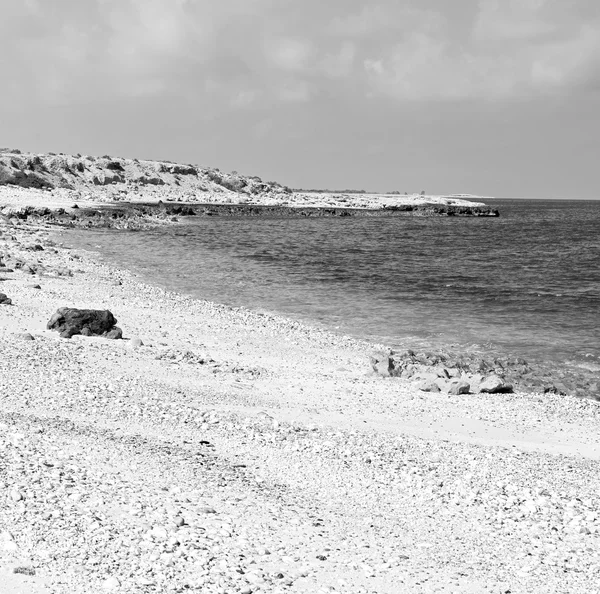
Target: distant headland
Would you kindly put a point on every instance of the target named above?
(59, 180)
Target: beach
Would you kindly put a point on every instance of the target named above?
(238, 451)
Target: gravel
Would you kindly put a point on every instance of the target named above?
(219, 450)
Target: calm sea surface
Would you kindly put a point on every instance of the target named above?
(527, 283)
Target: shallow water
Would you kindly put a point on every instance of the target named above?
(527, 283)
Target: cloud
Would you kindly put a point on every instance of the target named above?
(250, 53)
(288, 53)
(512, 20)
(340, 63)
(294, 91)
(515, 48)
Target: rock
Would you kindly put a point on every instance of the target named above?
(382, 363)
(494, 385)
(135, 343)
(110, 584)
(4, 300)
(25, 336)
(428, 386)
(16, 495)
(36, 287)
(458, 387)
(106, 178)
(442, 372)
(442, 384)
(159, 533)
(150, 180)
(557, 388)
(24, 570)
(408, 371)
(89, 322)
(114, 334)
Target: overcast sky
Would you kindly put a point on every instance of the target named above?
(492, 97)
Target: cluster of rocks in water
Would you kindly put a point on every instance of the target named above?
(464, 373)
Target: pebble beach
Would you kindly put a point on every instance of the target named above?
(220, 450)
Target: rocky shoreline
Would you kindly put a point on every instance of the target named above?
(128, 215)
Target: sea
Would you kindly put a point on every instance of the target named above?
(525, 284)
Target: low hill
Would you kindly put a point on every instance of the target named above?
(64, 178)
(109, 176)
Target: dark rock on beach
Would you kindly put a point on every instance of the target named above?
(4, 300)
(87, 322)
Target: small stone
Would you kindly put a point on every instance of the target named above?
(135, 343)
(36, 287)
(112, 583)
(494, 385)
(24, 570)
(428, 386)
(159, 533)
(4, 300)
(382, 363)
(16, 495)
(25, 336)
(115, 334)
(459, 387)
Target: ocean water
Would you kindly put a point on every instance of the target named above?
(527, 283)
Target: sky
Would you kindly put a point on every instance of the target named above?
(489, 97)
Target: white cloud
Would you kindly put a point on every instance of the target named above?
(517, 47)
(244, 98)
(294, 91)
(260, 52)
(288, 53)
(339, 64)
(567, 61)
(512, 20)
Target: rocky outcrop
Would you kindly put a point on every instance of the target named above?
(88, 173)
(88, 322)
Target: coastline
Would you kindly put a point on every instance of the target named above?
(236, 447)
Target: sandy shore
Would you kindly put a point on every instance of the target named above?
(241, 452)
